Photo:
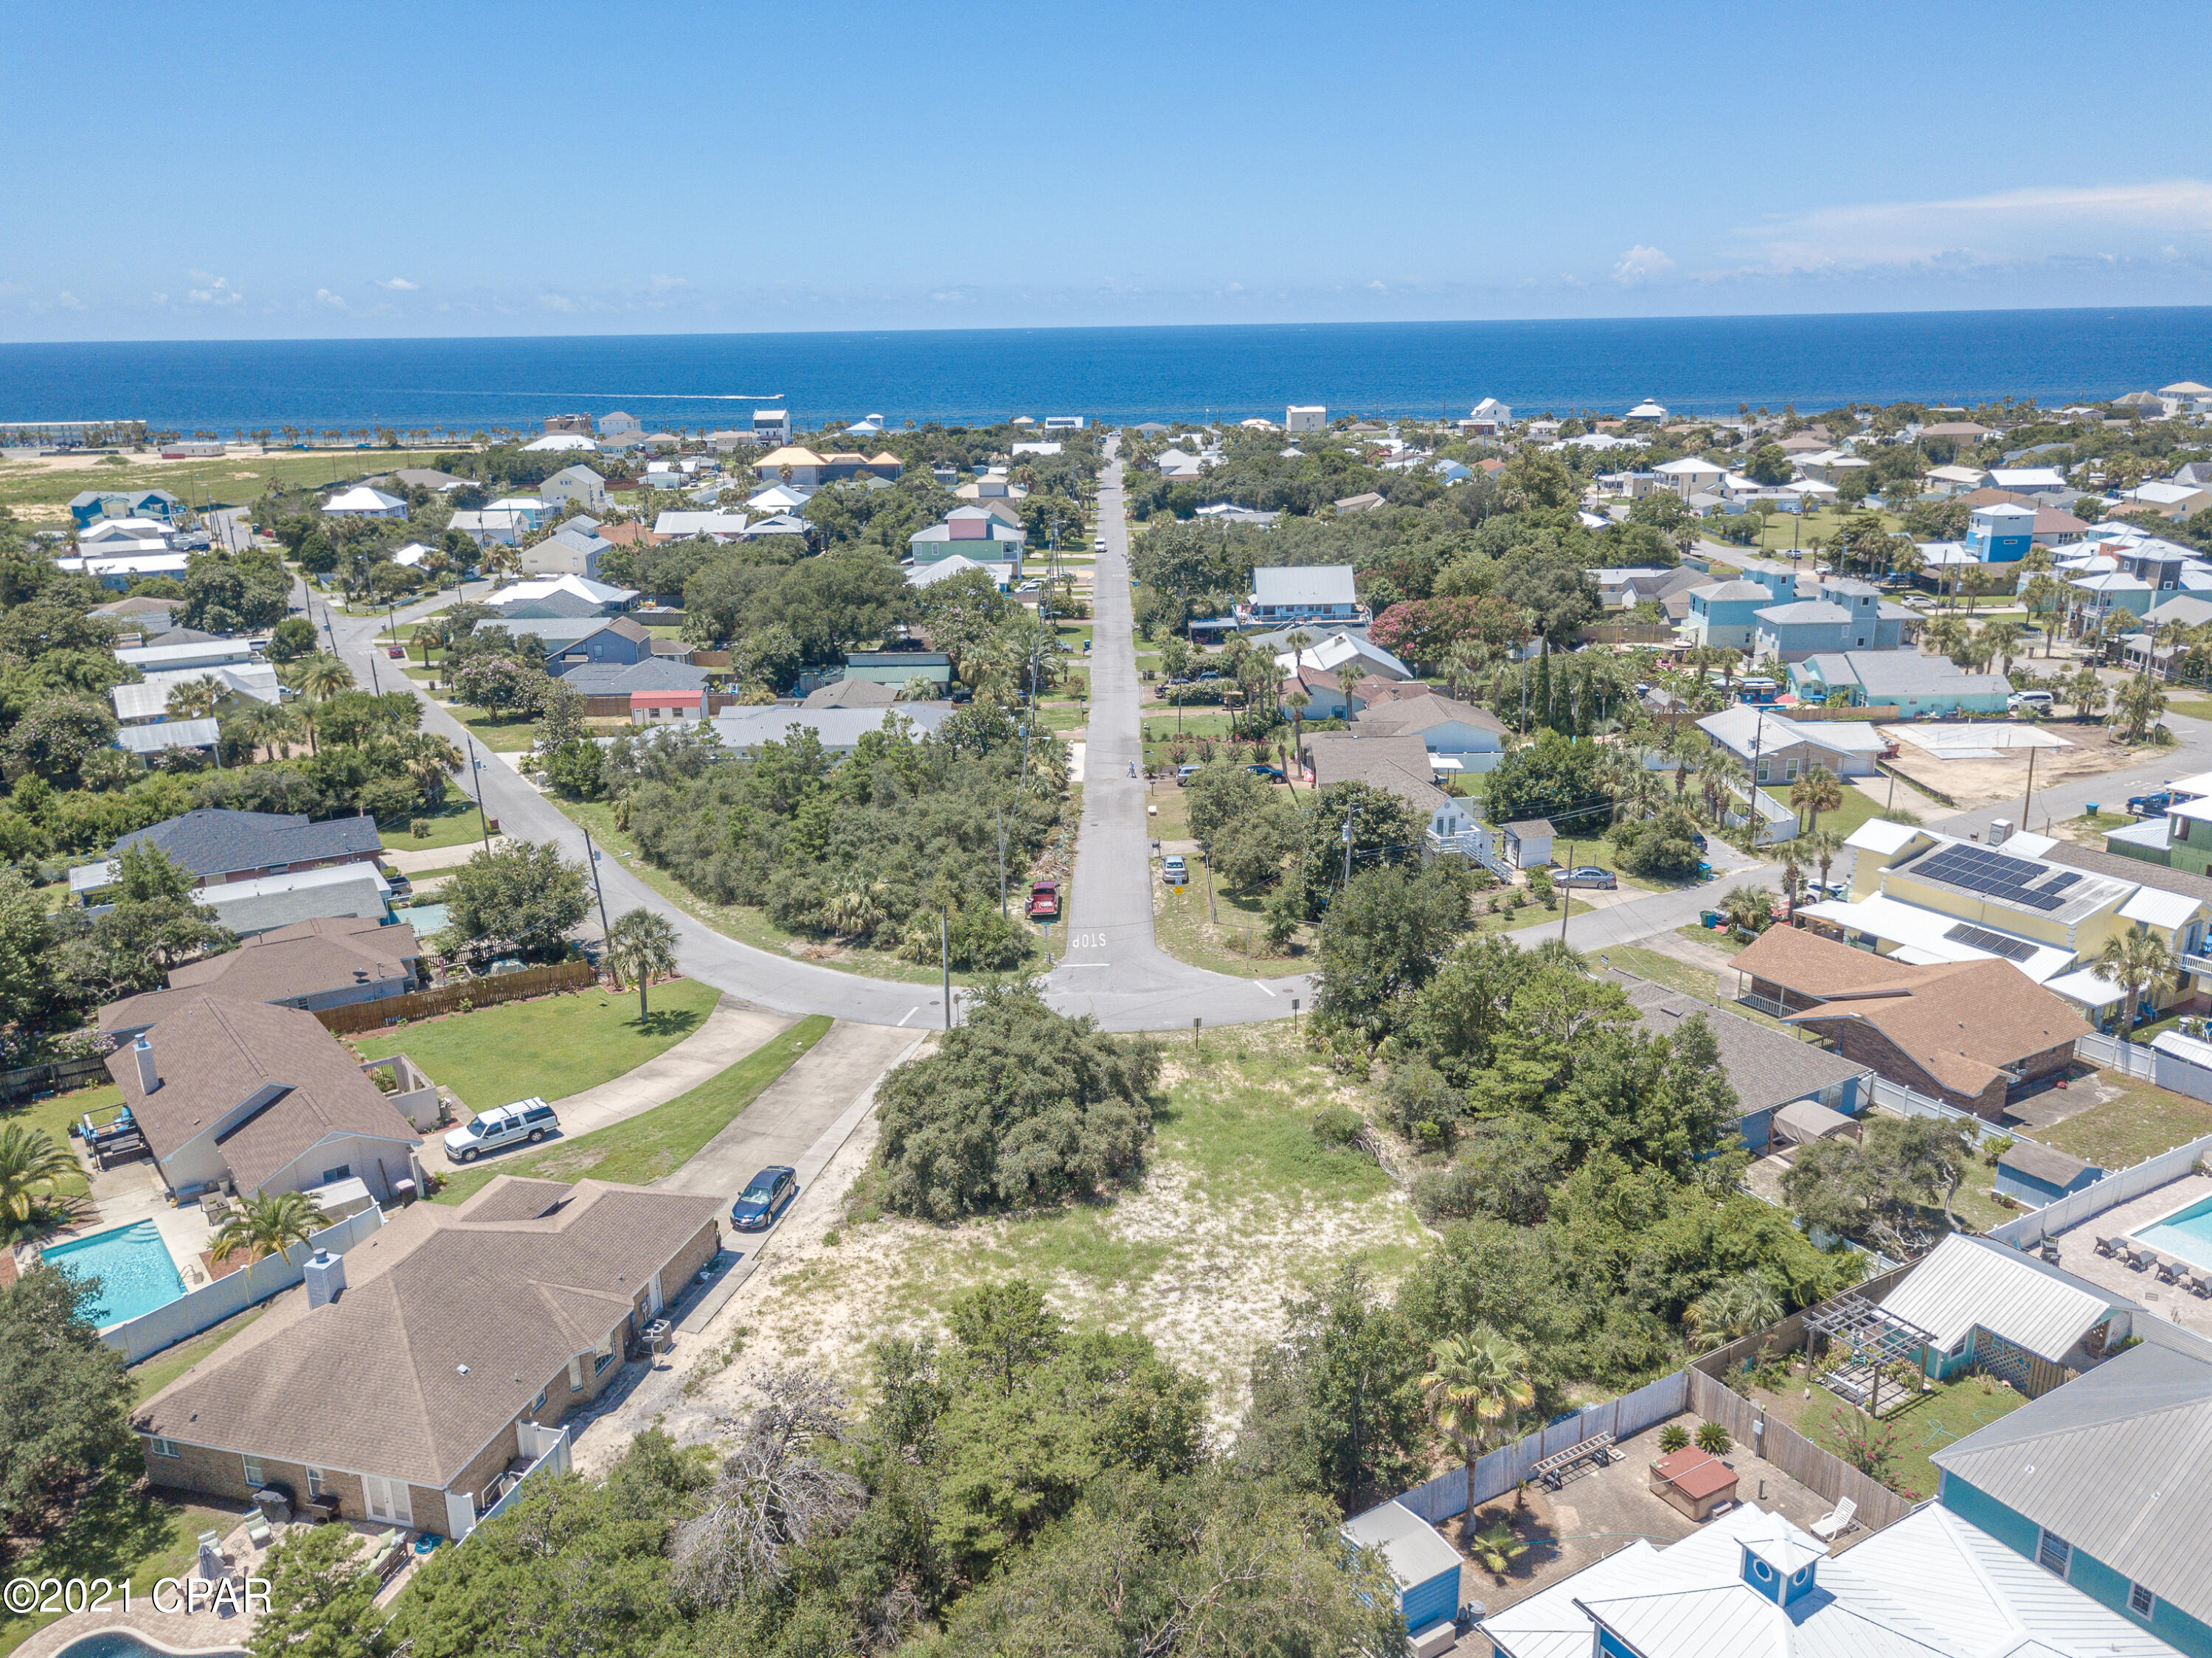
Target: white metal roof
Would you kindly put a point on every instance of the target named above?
(1303, 584)
(361, 499)
(1409, 1545)
(1880, 835)
(1920, 934)
(2155, 907)
(1965, 1282)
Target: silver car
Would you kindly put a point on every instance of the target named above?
(523, 1123)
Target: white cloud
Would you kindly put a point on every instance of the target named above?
(218, 291)
(663, 284)
(2006, 225)
(336, 301)
(398, 284)
(160, 299)
(1640, 263)
(1377, 288)
(558, 302)
(69, 301)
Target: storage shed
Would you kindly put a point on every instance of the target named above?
(1424, 1567)
(2036, 1174)
(1528, 842)
(1988, 1307)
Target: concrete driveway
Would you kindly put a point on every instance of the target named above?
(794, 1111)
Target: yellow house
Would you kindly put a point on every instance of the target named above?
(1925, 897)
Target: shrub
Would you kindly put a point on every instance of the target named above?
(1672, 1438)
(1338, 1124)
(1713, 1439)
(1420, 1104)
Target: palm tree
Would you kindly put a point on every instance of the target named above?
(1943, 635)
(1733, 1308)
(1820, 848)
(2045, 594)
(1475, 1383)
(1347, 680)
(858, 908)
(32, 1165)
(1749, 909)
(1816, 790)
(194, 699)
(642, 947)
(268, 728)
(2137, 706)
(2001, 640)
(2087, 692)
(1497, 1548)
(2134, 961)
(268, 1225)
(322, 676)
(430, 760)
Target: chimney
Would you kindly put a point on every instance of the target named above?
(324, 1273)
(148, 1078)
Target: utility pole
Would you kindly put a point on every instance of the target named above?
(1567, 897)
(1002, 863)
(945, 955)
(2030, 795)
(592, 852)
(484, 817)
(1348, 811)
(1211, 915)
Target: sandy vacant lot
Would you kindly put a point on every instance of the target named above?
(1240, 1209)
(1974, 783)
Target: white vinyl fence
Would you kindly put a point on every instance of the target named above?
(2131, 1059)
(1895, 1097)
(1441, 1498)
(2124, 1186)
(209, 1305)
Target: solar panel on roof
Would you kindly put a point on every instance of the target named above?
(1976, 937)
(2060, 883)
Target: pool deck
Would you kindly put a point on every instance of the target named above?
(131, 1191)
(2077, 1253)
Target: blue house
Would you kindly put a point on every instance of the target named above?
(2105, 1482)
(1986, 1306)
(2001, 532)
(1424, 1566)
(1726, 613)
(1904, 679)
(90, 506)
(1792, 632)
(1877, 623)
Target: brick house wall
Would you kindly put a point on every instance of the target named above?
(224, 878)
(1863, 1044)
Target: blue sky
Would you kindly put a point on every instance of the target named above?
(245, 170)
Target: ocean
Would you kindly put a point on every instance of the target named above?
(1693, 365)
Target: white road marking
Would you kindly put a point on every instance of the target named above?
(1258, 986)
(911, 1011)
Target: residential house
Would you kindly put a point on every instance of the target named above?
(1424, 1568)
(1902, 679)
(361, 501)
(850, 694)
(1778, 750)
(780, 525)
(218, 846)
(565, 552)
(1948, 480)
(311, 965)
(1003, 574)
(779, 498)
(1305, 417)
(1690, 475)
(88, 506)
(894, 668)
(534, 510)
(487, 527)
(1336, 650)
(1750, 1584)
(1458, 736)
(255, 1098)
(1986, 1306)
(1726, 613)
(1487, 419)
(147, 699)
(2002, 533)
(1365, 501)
(743, 730)
(771, 427)
(655, 707)
(1876, 623)
(2105, 1483)
(127, 535)
(1526, 843)
(1646, 413)
(2110, 592)
(620, 640)
(2140, 652)
(1305, 592)
(685, 525)
(791, 466)
(258, 903)
(1788, 1091)
(1625, 588)
(146, 741)
(561, 443)
(418, 1378)
(2044, 482)
(648, 675)
(119, 572)
(1792, 632)
(425, 478)
(599, 598)
(975, 530)
(1401, 766)
(619, 420)
(201, 651)
(578, 486)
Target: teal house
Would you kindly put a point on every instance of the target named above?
(88, 506)
(2106, 1483)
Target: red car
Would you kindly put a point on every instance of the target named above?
(1044, 900)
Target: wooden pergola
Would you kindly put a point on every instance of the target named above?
(1872, 1338)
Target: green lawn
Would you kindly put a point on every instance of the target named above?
(2099, 823)
(641, 1150)
(2189, 708)
(1858, 807)
(457, 823)
(1923, 1425)
(55, 1115)
(1726, 943)
(1219, 941)
(233, 481)
(165, 1366)
(552, 1047)
(1681, 975)
(2140, 1121)
(502, 733)
(121, 1530)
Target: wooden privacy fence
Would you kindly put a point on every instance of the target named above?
(458, 997)
(1788, 1335)
(58, 1078)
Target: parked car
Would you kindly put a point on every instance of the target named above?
(523, 1123)
(1174, 870)
(1184, 774)
(765, 1197)
(1044, 900)
(1098, 543)
(1272, 774)
(1031, 586)
(2149, 805)
(1588, 875)
(2029, 703)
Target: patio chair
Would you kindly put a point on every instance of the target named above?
(2139, 1259)
(2108, 1247)
(2199, 1283)
(257, 1530)
(1833, 1525)
(2170, 1272)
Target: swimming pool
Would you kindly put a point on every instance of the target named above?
(133, 1264)
(122, 1643)
(2186, 1232)
(425, 919)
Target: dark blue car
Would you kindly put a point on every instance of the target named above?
(766, 1196)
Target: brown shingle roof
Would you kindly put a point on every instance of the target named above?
(1963, 1023)
(1409, 715)
(308, 958)
(452, 1321)
(1399, 764)
(213, 1053)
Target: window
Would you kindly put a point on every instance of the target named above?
(575, 1374)
(604, 1354)
(538, 1403)
(165, 1447)
(343, 1171)
(318, 1486)
(2141, 1601)
(253, 1472)
(2055, 1554)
